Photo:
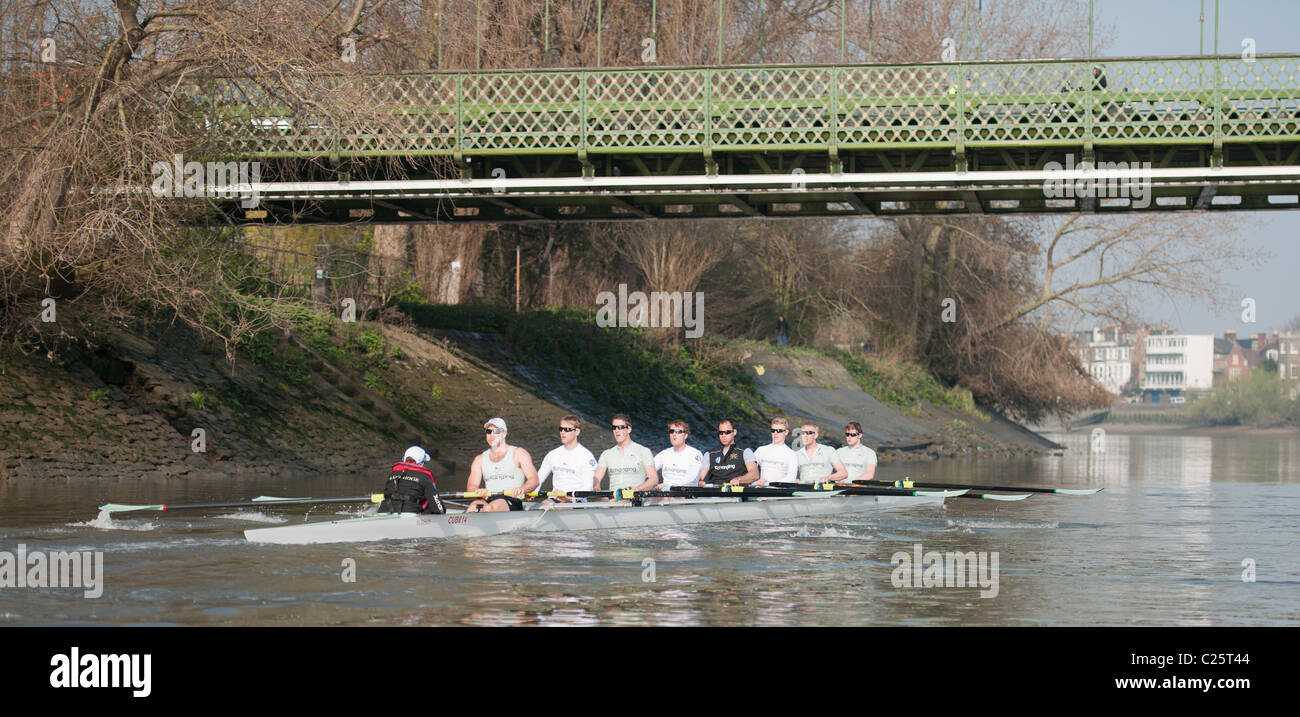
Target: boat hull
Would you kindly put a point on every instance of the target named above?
(409, 526)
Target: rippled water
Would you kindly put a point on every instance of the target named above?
(1163, 544)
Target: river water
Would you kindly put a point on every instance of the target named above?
(1180, 522)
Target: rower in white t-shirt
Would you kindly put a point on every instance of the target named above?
(679, 464)
(573, 466)
(777, 462)
(859, 461)
(818, 462)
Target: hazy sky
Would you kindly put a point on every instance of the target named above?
(1172, 27)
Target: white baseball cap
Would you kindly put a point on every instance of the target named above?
(416, 454)
(498, 422)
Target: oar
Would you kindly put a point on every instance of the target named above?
(259, 502)
(905, 483)
(789, 489)
(849, 487)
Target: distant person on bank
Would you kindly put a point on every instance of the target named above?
(782, 330)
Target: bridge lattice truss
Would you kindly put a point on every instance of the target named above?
(775, 141)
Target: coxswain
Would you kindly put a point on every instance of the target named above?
(728, 463)
(777, 462)
(502, 468)
(679, 464)
(859, 461)
(628, 464)
(572, 464)
(411, 487)
(818, 462)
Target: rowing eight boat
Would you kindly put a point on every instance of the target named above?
(587, 516)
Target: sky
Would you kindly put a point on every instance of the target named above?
(1172, 27)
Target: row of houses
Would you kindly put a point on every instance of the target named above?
(1160, 364)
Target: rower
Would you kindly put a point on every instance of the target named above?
(859, 461)
(818, 462)
(629, 464)
(777, 462)
(411, 487)
(728, 463)
(502, 468)
(573, 465)
(679, 464)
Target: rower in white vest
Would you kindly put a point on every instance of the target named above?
(502, 468)
(818, 462)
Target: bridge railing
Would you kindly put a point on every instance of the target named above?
(1138, 101)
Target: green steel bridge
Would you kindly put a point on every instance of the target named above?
(1112, 135)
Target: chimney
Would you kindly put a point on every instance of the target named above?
(1230, 335)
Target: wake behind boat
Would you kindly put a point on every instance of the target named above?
(589, 516)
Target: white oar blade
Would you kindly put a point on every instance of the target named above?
(262, 498)
(942, 493)
(1077, 491)
(120, 508)
(1002, 496)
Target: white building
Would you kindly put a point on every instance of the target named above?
(1176, 363)
(1107, 355)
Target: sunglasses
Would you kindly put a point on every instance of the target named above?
(726, 433)
(780, 430)
(676, 430)
(566, 429)
(619, 428)
(492, 431)
(852, 435)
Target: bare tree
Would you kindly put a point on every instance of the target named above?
(99, 95)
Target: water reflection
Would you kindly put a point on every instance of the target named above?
(1162, 544)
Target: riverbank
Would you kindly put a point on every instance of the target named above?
(156, 402)
(1147, 429)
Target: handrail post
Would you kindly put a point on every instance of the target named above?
(960, 147)
(1216, 156)
(1088, 105)
(836, 166)
(458, 152)
(710, 166)
(588, 169)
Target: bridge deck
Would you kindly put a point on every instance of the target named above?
(841, 139)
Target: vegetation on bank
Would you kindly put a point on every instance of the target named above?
(564, 347)
(1259, 400)
(627, 366)
(903, 385)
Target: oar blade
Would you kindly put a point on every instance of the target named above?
(121, 508)
(1077, 491)
(998, 496)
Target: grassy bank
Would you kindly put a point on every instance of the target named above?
(906, 386)
(616, 367)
